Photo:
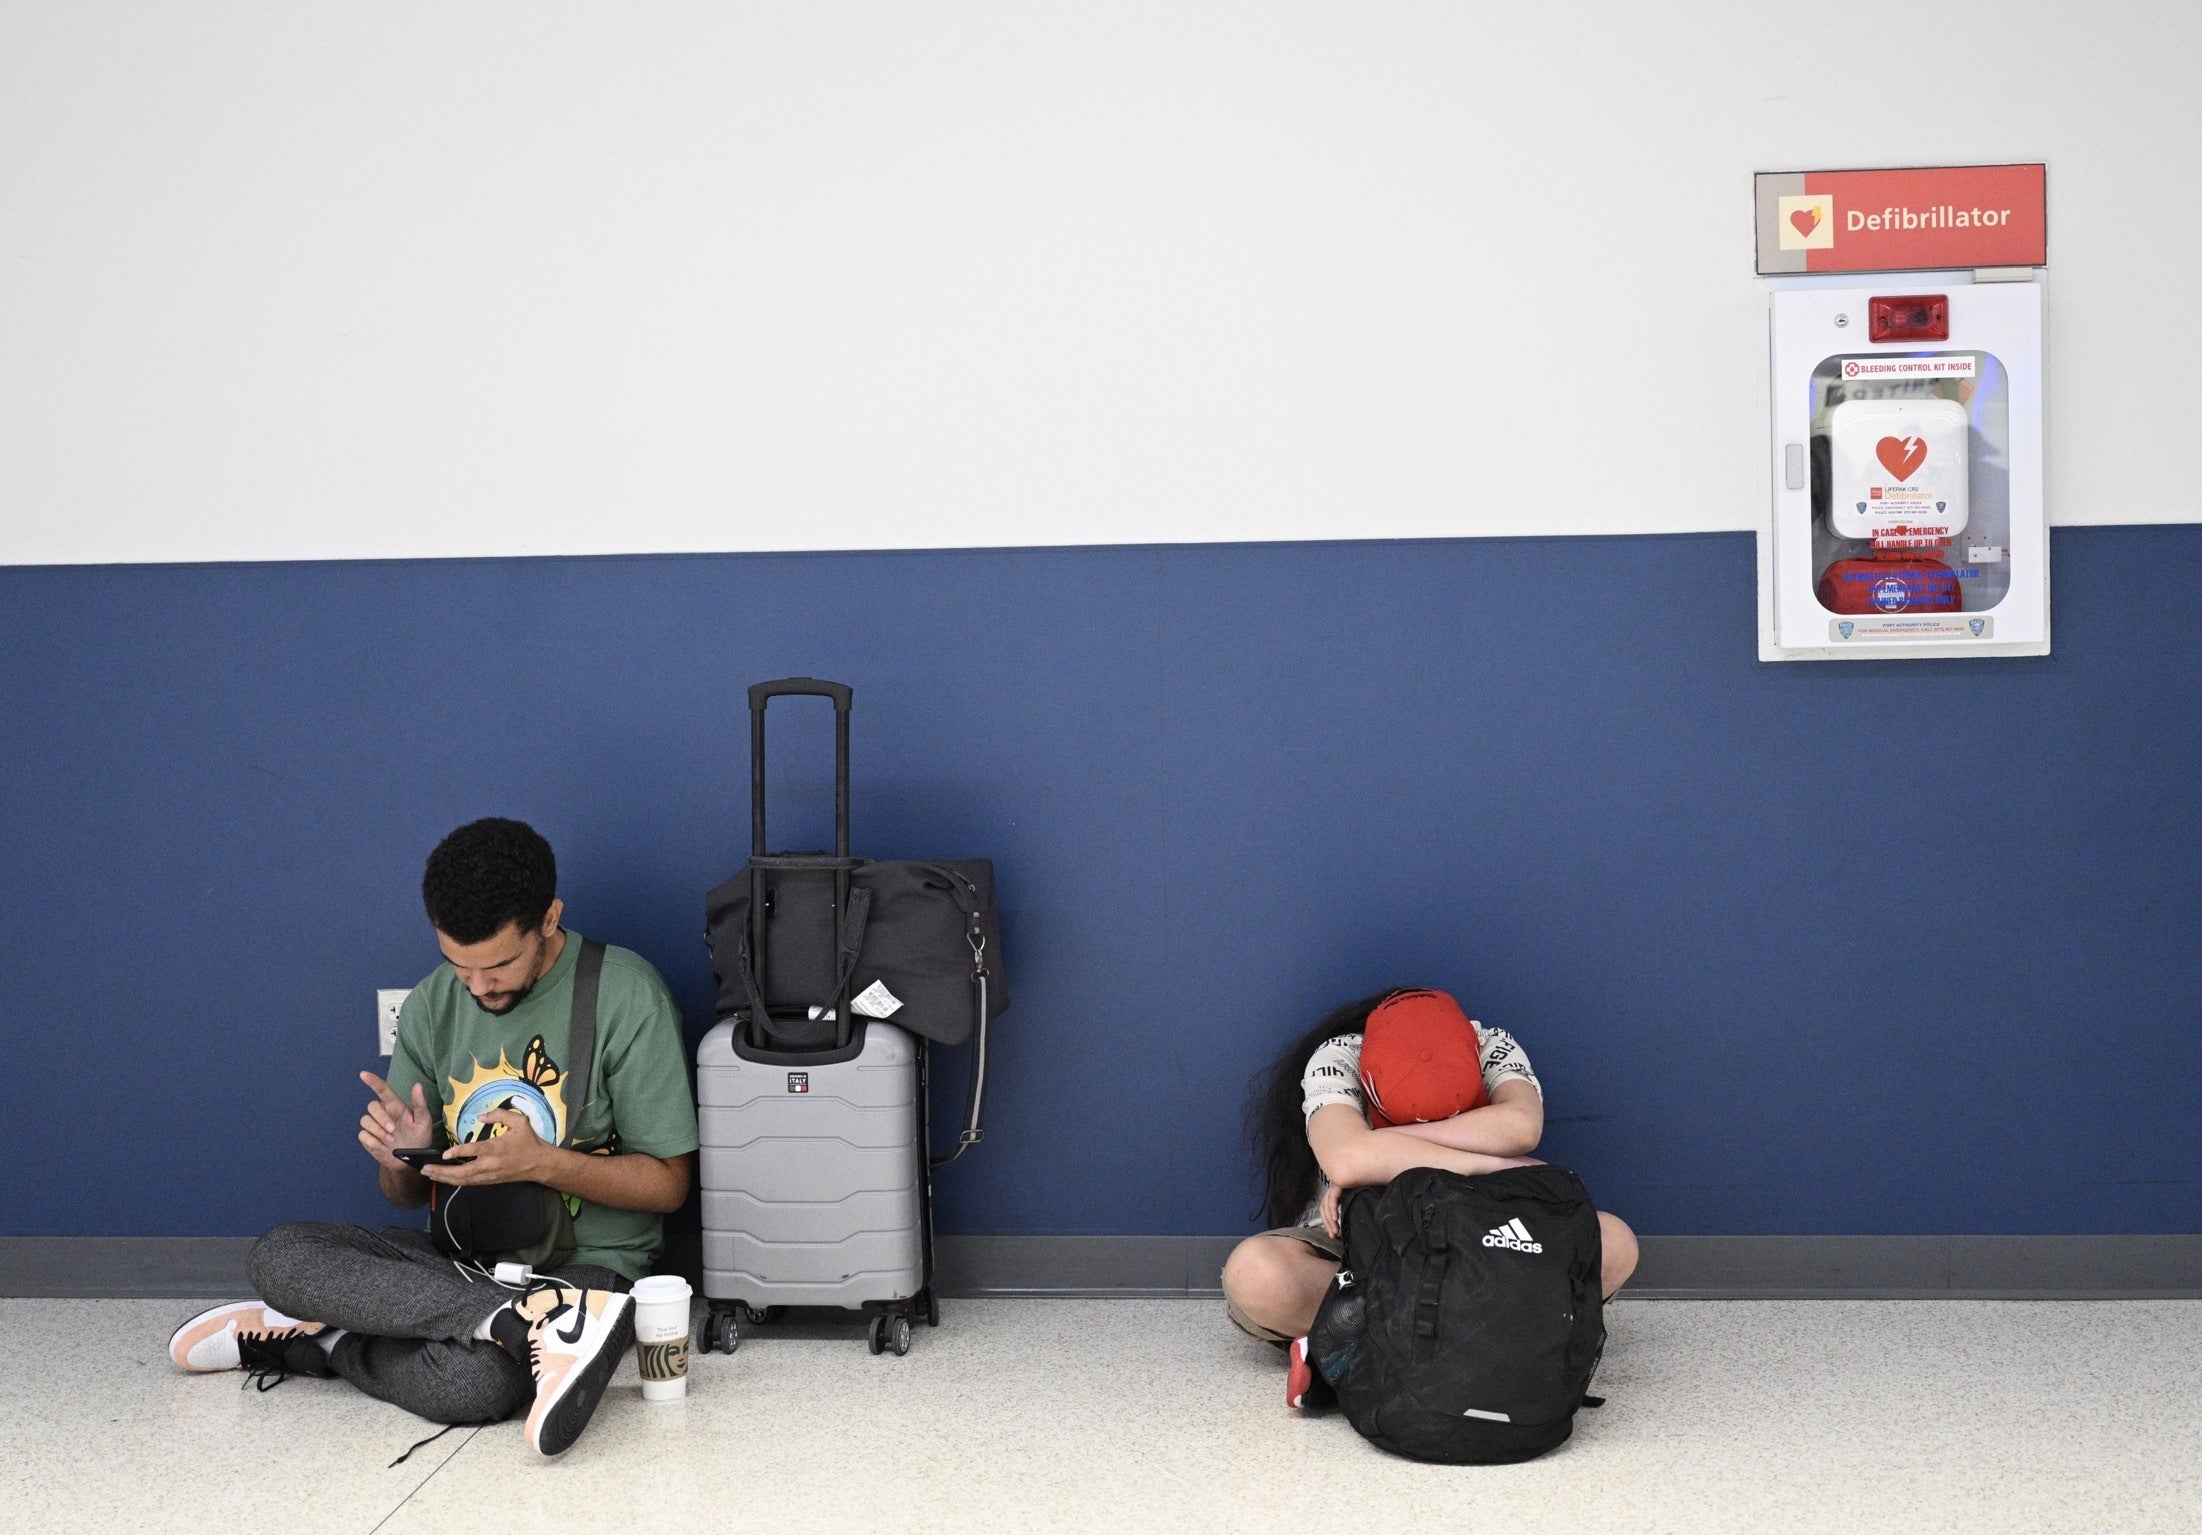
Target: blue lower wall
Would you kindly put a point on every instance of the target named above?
(1892, 947)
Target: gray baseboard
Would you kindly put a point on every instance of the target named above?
(1070, 1266)
(2134, 1267)
(114, 1267)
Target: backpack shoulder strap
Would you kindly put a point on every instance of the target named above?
(588, 970)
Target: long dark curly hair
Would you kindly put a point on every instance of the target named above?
(1277, 1130)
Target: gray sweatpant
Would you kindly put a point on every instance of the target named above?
(409, 1316)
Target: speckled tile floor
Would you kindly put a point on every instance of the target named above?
(1033, 1416)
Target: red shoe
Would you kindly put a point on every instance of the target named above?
(1304, 1385)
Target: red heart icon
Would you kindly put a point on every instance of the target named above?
(1806, 220)
(1901, 456)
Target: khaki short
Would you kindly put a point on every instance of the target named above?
(1316, 1237)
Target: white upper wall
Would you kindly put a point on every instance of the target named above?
(491, 277)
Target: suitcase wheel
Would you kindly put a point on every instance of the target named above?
(932, 1308)
(722, 1332)
(889, 1330)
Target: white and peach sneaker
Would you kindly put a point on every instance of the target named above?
(576, 1339)
(245, 1334)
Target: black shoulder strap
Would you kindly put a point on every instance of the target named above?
(974, 1127)
(588, 967)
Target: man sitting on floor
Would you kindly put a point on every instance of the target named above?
(485, 1068)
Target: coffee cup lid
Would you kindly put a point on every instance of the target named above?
(661, 1287)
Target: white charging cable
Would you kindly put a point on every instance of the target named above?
(506, 1276)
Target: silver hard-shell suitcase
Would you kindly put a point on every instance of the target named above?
(814, 1183)
(815, 1170)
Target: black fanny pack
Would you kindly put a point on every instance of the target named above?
(528, 1223)
(491, 1223)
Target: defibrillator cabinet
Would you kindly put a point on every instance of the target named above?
(1906, 445)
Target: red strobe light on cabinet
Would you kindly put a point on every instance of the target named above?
(1918, 317)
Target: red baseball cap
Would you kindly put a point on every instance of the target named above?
(1420, 1060)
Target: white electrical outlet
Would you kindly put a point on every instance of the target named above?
(387, 1004)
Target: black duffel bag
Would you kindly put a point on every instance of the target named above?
(920, 947)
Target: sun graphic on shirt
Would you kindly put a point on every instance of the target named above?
(535, 1088)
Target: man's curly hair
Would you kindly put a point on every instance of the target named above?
(486, 876)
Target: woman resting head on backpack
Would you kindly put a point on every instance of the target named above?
(1398, 1080)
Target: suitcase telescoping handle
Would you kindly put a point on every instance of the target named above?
(805, 687)
(762, 693)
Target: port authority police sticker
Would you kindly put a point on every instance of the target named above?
(1892, 594)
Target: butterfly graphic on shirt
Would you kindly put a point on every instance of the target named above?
(535, 1090)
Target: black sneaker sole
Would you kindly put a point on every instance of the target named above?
(564, 1423)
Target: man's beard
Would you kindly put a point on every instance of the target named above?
(517, 997)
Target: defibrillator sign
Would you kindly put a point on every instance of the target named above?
(1918, 219)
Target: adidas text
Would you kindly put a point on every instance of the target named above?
(1515, 1235)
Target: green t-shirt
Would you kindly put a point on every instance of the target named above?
(470, 1061)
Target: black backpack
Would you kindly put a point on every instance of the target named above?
(1465, 1323)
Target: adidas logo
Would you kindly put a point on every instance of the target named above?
(1515, 1235)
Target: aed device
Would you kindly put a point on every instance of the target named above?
(1905, 406)
(1898, 471)
(1897, 474)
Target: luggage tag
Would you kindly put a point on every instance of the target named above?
(876, 1001)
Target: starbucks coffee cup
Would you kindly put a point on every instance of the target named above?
(661, 1336)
